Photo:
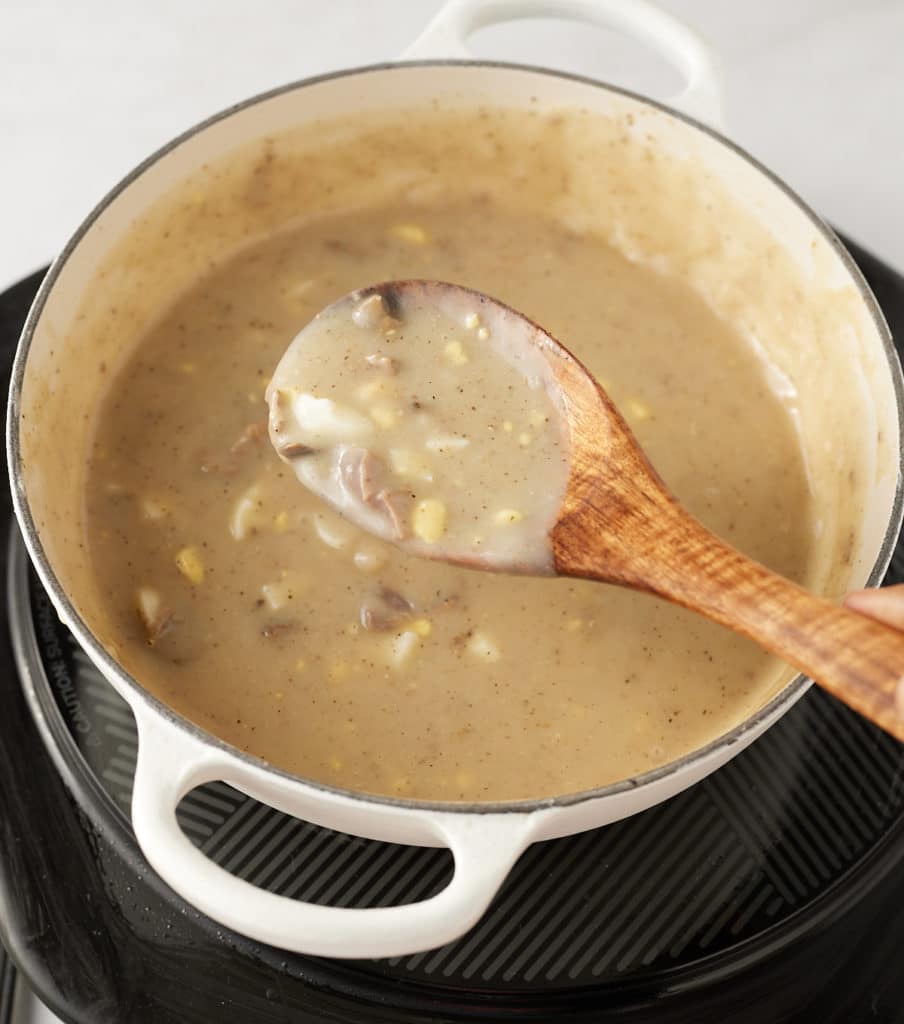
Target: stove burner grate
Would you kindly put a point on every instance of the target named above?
(739, 898)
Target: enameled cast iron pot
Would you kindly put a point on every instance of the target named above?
(45, 437)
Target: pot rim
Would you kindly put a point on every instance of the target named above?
(789, 693)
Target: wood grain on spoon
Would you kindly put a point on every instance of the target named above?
(612, 518)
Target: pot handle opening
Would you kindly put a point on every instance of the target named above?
(447, 34)
(171, 763)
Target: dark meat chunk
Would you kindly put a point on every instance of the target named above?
(359, 474)
(158, 627)
(386, 611)
(295, 450)
(376, 620)
(394, 600)
(253, 434)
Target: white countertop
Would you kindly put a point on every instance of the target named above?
(813, 88)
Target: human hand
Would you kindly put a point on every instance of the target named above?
(886, 604)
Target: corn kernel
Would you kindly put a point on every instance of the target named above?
(333, 531)
(300, 665)
(402, 647)
(508, 426)
(507, 516)
(483, 333)
(297, 291)
(524, 439)
(247, 515)
(281, 522)
(537, 418)
(335, 764)
(573, 625)
(338, 670)
(413, 234)
(428, 520)
(637, 409)
(383, 416)
(423, 627)
(279, 594)
(483, 647)
(408, 463)
(455, 354)
(471, 321)
(275, 595)
(152, 509)
(378, 386)
(369, 558)
(150, 605)
(188, 562)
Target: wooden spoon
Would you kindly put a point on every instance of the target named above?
(618, 523)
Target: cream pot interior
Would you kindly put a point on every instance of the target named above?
(744, 243)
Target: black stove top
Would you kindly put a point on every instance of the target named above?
(771, 891)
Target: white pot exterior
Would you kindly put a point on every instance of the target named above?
(174, 755)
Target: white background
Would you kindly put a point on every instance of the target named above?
(814, 88)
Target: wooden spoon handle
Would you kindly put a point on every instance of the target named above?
(855, 658)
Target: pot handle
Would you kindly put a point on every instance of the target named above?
(171, 763)
(446, 37)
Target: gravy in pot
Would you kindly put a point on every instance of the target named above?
(250, 607)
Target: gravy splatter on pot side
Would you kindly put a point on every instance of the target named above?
(251, 608)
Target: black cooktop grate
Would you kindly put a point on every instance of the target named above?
(741, 881)
(734, 856)
(725, 861)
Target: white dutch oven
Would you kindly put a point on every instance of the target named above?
(174, 755)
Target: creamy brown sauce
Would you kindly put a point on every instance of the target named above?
(425, 414)
(250, 607)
